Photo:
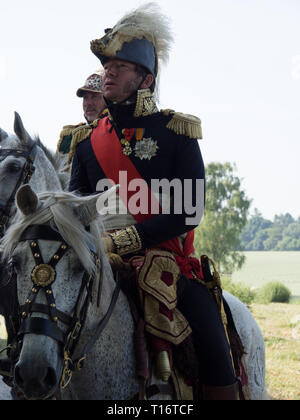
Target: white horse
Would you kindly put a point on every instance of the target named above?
(22, 160)
(110, 368)
(109, 372)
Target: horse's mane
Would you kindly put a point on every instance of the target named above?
(59, 210)
(52, 157)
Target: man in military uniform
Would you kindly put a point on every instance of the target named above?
(133, 146)
(93, 105)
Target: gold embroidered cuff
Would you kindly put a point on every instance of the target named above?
(126, 241)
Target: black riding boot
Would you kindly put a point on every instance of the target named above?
(212, 348)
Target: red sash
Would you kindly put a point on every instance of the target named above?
(109, 153)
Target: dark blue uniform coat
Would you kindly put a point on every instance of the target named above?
(177, 157)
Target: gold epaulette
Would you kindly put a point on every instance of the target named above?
(184, 124)
(67, 130)
(80, 134)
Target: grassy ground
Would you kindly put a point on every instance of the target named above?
(264, 267)
(280, 325)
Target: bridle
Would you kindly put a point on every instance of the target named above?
(24, 178)
(43, 276)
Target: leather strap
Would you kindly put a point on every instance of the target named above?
(46, 232)
(24, 178)
(35, 232)
(4, 153)
(41, 326)
(44, 309)
(102, 324)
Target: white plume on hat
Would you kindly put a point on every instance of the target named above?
(148, 21)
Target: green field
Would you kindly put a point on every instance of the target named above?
(263, 267)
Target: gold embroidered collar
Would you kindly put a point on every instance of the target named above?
(145, 104)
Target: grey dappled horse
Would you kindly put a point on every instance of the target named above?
(19, 154)
(109, 372)
(110, 367)
(22, 160)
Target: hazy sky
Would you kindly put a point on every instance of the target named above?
(235, 64)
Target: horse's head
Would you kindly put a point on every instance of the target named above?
(56, 264)
(14, 154)
(20, 157)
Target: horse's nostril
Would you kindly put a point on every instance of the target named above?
(35, 384)
(18, 377)
(50, 378)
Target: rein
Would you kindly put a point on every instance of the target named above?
(43, 276)
(24, 178)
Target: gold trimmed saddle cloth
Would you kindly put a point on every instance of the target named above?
(157, 276)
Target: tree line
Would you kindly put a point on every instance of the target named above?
(281, 234)
(227, 230)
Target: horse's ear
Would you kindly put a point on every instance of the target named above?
(20, 131)
(27, 200)
(3, 135)
(90, 210)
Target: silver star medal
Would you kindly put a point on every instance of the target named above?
(146, 148)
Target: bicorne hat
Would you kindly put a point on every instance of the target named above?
(142, 37)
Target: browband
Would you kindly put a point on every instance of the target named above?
(46, 232)
(35, 232)
(41, 326)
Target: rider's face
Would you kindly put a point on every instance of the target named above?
(93, 104)
(120, 80)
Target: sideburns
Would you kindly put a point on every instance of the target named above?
(131, 86)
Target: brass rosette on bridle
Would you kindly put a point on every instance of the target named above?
(43, 275)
